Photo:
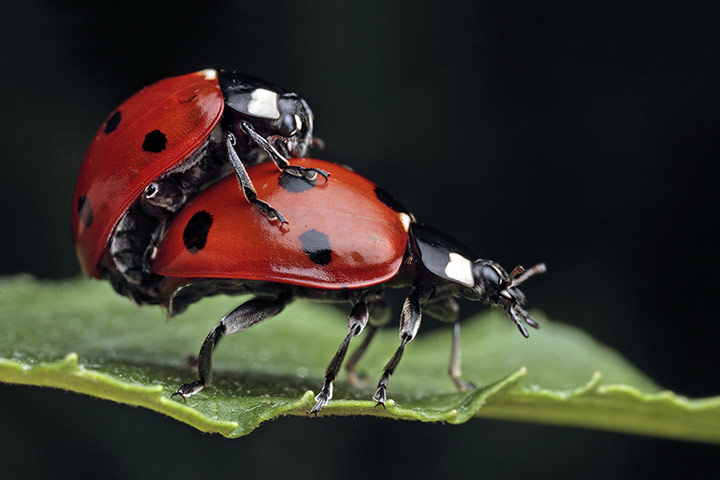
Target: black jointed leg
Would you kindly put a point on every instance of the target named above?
(243, 317)
(380, 395)
(309, 174)
(409, 325)
(246, 183)
(379, 315)
(356, 323)
(279, 158)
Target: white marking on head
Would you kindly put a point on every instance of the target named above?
(405, 220)
(209, 73)
(263, 104)
(459, 269)
(298, 122)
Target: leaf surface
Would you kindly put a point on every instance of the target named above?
(80, 336)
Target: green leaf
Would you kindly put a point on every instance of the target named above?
(79, 335)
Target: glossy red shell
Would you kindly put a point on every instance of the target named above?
(367, 238)
(117, 168)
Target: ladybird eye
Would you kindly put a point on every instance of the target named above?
(491, 278)
(151, 190)
(290, 125)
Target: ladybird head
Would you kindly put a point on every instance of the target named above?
(494, 286)
(295, 125)
(164, 195)
(278, 115)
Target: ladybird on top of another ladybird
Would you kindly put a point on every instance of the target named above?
(157, 211)
(162, 146)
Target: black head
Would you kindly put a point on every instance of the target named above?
(295, 125)
(282, 117)
(450, 262)
(494, 286)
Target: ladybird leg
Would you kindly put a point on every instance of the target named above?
(279, 158)
(379, 316)
(356, 323)
(246, 183)
(309, 174)
(409, 325)
(447, 310)
(243, 317)
(272, 152)
(454, 370)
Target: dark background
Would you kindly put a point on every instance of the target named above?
(584, 135)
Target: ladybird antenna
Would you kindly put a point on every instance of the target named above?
(516, 313)
(520, 274)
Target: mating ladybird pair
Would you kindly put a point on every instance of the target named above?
(158, 211)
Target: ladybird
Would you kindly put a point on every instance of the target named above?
(350, 241)
(162, 146)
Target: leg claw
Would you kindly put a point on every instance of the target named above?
(309, 174)
(380, 397)
(464, 386)
(188, 389)
(272, 214)
(321, 400)
(180, 394)
(319, 405)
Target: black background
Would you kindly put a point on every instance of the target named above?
(582, 135)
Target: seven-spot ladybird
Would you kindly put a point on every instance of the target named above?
(162, 146)
(348, 241)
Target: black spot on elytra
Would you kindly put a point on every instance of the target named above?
(196, 231)
(317, 246)
(295, 184)
(389, 200)
(85, 213)
(155, 142)
(113, 122)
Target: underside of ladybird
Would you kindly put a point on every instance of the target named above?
(165, 144)
(127, 258)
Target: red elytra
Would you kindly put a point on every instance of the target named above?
(343, 233)
(151, 133)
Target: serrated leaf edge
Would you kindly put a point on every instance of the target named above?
(67, 374)
(506, 399)
(614, 407)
